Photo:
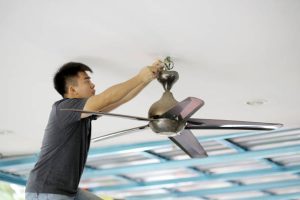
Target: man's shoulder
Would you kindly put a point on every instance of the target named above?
(70, 101)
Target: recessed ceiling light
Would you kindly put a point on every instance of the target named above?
(256, 102)
(4, 132)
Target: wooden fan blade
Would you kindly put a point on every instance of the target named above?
(185, 108)
(189, 144)
(118, 133)
(108, 114)
(194, 123)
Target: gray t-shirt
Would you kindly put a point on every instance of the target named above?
(64, 151)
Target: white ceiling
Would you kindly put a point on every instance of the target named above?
(226, 53)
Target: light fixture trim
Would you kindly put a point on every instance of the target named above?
(256, 102)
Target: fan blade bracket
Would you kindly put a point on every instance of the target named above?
(184, 109)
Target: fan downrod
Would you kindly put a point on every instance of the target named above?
(166, 125)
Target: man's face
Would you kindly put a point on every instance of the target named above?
(84, 87)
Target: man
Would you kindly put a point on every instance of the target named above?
(66, 142)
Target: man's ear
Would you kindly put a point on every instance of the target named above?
(72, 90)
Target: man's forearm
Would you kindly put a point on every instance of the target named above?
(114, 94)
(127, 98)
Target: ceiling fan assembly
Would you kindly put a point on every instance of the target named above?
(169, 117)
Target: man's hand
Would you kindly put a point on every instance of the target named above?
(149, 73)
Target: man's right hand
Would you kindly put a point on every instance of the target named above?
(149, 73)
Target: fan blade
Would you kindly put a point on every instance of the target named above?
(194, 123)
(189, 144)
(115, 134)
(108, 114)
(185, 108)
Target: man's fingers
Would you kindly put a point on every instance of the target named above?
(158, 65)
(155, 68)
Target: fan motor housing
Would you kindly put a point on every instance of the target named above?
(165, 126)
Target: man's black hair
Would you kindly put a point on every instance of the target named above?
(67, 72)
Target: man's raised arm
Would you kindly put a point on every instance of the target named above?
(123, 92)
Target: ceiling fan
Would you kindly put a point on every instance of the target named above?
(173, 119)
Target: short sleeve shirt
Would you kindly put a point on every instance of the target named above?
(64, 150)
